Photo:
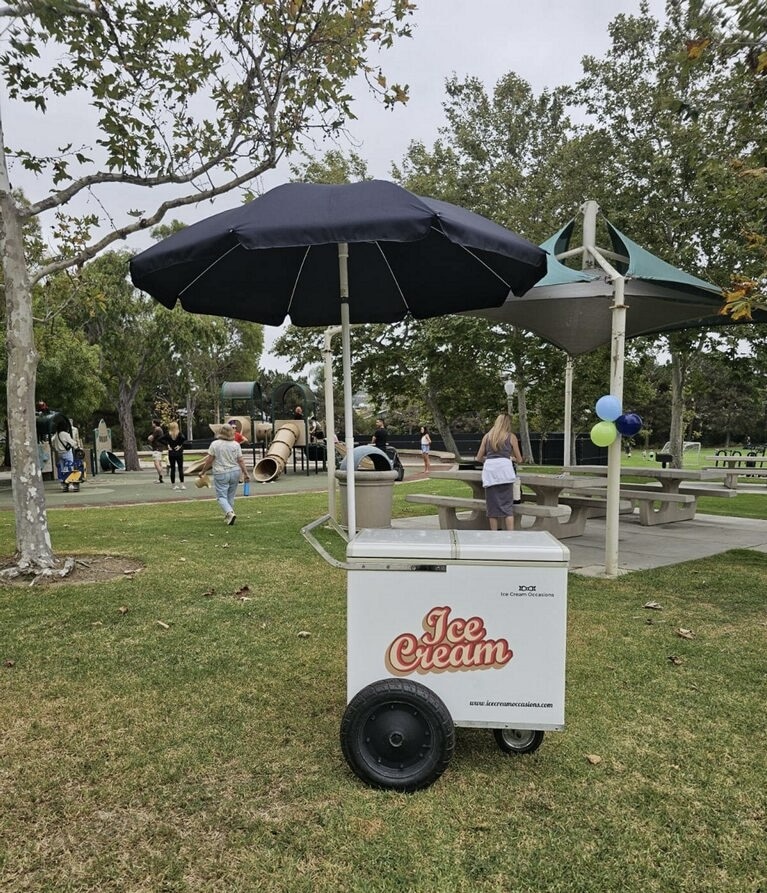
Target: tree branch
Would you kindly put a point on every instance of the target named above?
(23, 9)
(147, 222)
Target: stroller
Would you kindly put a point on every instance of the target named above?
(73, 476)
(396, 464)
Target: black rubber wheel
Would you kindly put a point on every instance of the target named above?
(397, 734)
(401, 473)
(518, 741)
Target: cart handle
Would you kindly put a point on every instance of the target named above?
(308, 535)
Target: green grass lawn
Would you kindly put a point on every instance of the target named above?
(201, 752)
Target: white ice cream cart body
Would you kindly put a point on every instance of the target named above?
(450, 628)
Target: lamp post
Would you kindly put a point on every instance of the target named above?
(509, 387)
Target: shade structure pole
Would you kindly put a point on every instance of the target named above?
(330, 422)
(568, 410)
(346, 345)
(614, 450)
(617, 352)
(590, 210)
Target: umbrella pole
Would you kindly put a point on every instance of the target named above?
(330, 422)
(343, 276)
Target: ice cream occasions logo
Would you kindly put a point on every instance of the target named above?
(447, 645)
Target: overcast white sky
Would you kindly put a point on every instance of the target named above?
(541, 41)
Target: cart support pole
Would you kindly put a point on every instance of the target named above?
(330, 422)
(343, 276)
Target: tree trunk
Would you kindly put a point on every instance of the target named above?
(125, 397)
(440, 421)
(525, 445)
(189, 416)
(678, 371)
(33, 541)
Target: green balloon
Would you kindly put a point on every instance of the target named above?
(603, 433)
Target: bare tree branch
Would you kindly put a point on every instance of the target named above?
(145, 222)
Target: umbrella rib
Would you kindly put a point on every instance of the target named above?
(394, 278)
(207, 269)
(298, 276)
(476, 258)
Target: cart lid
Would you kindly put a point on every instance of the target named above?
(523, 546)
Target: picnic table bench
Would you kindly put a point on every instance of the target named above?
(569, 519)
(733, 467)
(656, 506)
(449, 506)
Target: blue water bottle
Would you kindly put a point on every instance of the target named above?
(246, 488)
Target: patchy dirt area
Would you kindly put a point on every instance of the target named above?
(87, 569)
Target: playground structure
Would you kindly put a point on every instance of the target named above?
(243, 402)
(244, 407)
(289, 433)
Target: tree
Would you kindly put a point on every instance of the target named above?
(128, 327)
(494, 157)
(673, 132)
(742, 45)
(196, 96)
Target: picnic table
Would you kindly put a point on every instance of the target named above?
(734, 466)
(669, 498)
(563, 516)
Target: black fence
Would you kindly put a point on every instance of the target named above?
(548, 449)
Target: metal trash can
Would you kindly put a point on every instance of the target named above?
(374, 489)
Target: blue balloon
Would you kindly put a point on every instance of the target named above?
(608, 408)
(628, 424)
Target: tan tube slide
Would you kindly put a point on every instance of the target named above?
(273, 464)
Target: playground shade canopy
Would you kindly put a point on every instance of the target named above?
(571, 308)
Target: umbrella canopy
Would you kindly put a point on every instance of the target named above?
(277, 256)
(571, 308)
(355, 253)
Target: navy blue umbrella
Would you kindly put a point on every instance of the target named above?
(277, 256)
(355, 253)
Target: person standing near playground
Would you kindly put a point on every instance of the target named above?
(226, 460)
(425, 448)
(498, 452)
(156, 440)
(380, 435)
(175, 441)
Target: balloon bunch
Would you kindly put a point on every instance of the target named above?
(614, 422)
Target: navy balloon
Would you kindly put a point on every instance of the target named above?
(628, 424)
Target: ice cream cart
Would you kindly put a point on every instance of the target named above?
(450, 628)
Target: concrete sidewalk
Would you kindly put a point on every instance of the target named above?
(642, 548)
(137, 487)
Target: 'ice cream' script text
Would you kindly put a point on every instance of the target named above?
(447, 645)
